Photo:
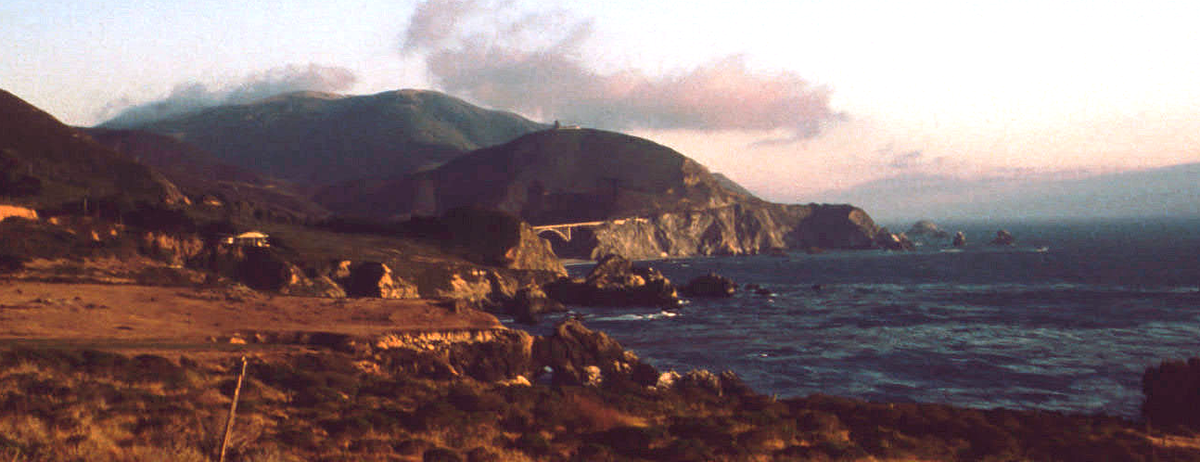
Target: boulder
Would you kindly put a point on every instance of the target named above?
(960, 240)
(374, 279)
(1004, 237)
(616, 282)
(710, 285)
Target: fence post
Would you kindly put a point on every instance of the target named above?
(232, 410)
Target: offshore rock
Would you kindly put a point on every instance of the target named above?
(926, 228)
(616, 282)
(710, 285)
(888, 241)
(1004, 237)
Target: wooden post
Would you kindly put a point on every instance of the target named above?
(232, 410)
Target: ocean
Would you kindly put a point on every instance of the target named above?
(1066, 320)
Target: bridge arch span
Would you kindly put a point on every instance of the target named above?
(562, 233)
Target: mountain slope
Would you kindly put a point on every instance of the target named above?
(44, 163)
(580, 175)
(552, 176)
(320, 138)
(204, 178)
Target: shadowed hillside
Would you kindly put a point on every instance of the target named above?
(552, 176)
(323, 138)
(209, 181)
(581, 175)
(44, 163)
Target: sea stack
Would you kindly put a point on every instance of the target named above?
(1004, 237)
(960, 239)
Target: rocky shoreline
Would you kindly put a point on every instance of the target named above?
(494, 395)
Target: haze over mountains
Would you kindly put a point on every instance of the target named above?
(323, 138)
(1154, 193)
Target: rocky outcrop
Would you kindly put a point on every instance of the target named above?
(709, 285)
(376, 280)
(1172, 392)
(926, 228)
(887, 240)
(1004, 237)
(495, 238)
(580, 356)
(173, 249)
(740, 229)
(616, 282)
(530, 303)
(7, 211)
(960, 240)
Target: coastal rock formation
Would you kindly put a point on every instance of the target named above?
(632, 196)
(927, 228)
(575, 353)
(492, 237)
(1172, 392)
(376, 280)
(1004, 237)
(616, 282)
(739, 229)
(887, 240)
(710, 285)
(960, 239)
(530, 303)
(7, 211)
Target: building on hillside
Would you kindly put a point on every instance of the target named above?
(248, 239)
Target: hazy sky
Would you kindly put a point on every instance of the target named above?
(791, 98)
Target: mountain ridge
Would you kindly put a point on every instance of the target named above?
(48, 164)
(324, 138)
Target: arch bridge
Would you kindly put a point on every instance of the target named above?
(563, 230)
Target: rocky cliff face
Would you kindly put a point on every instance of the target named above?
(740, 229)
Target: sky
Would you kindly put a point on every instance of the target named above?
(796, 100)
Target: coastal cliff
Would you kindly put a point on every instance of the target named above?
(650, 200)
(740, 229)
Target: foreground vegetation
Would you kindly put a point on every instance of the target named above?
(63, 404)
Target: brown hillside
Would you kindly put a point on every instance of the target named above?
(44, 163)
(552, 176)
